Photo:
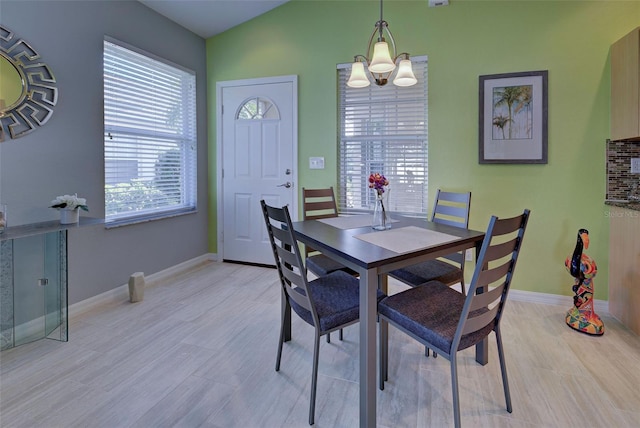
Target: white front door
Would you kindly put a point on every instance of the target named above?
(257, 159)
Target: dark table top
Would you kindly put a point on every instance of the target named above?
(329, 239)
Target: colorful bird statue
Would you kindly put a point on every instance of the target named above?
(583, 268)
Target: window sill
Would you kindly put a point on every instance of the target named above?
(148, 218)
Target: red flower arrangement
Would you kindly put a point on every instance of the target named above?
(378, 181)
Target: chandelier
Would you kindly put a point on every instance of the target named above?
(383, 62)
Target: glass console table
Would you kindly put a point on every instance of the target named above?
(33, 282)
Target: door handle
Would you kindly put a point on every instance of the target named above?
(285, 185)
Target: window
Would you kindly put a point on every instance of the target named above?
(149, 136)
(257, 109)
(383, 129)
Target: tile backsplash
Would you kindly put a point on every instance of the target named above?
(619, 177)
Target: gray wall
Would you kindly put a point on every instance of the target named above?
(66, 154)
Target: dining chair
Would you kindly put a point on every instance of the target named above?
(447, 321)
(328, 303)
(318, 204)
(452, 209)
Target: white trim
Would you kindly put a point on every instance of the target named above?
(121, 293)
(220, 196)
(601, 306)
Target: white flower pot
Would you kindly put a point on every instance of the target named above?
(69, 216)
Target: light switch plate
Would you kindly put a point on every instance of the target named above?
(635, 165)
(436, 3)
(316, 163)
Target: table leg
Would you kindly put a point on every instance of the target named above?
(368, 316)
(482, 349)
(383, 285)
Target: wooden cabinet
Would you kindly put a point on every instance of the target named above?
(624, 266)
(625, 88)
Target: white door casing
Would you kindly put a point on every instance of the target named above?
(257, 157)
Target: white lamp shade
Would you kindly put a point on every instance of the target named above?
(381, 62)
(405, 76)
(358, 78)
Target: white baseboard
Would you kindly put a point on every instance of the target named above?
(122, 292)
(554, 299)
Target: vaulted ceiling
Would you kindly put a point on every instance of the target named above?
(210, 17)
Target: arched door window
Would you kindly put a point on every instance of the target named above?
(258, 108)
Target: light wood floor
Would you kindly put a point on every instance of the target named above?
(200, 350)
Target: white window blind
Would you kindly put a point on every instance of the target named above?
(150, 136)
(383, 129)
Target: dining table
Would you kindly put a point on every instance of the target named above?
(351, 241)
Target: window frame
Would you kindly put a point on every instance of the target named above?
(150, 138)
(378, 125)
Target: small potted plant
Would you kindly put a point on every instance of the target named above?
(69, 207)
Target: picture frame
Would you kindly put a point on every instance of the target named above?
(513, 118)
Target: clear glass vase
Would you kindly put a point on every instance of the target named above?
(381, 217)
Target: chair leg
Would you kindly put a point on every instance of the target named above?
(454, 389)
(383, 351)
(280, 342)
(503, 369)
(314, 379)
(329, 336)
(462, 287)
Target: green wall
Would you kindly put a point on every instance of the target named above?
(570, 39)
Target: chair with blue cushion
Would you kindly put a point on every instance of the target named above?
(328, 303)
(452, 209)
(447, 321)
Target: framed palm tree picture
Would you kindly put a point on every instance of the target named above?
(513, 118)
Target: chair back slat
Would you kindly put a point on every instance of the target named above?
(448, 222)
(484, 305)
(452, 209)
(476, 323)
(484, 300)
(282, 235)
(316, 205)
(288, 258)
(498, 251)
(489, 276)
(457, 197)
(449, 210)
(299, 298)
(507, 225)
(320, 206)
